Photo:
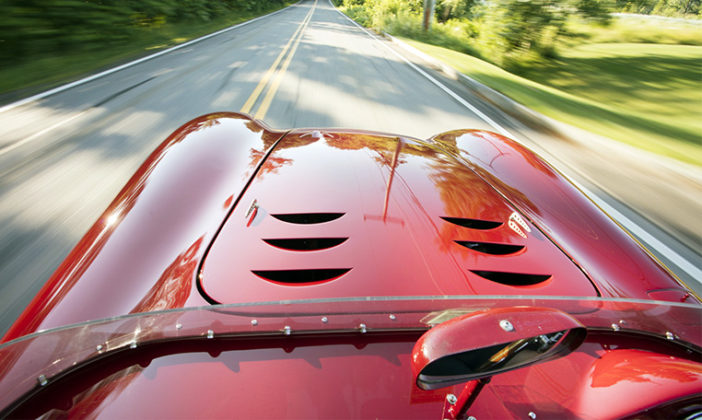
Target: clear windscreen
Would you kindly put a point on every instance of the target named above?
(34, 359)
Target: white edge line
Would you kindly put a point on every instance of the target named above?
(126, 65)
(646, 237)
(440, 85)
(632, 227)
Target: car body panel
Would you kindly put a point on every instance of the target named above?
(165, 219)
(157, 228)
(394, 195)
(333, 251)
(590, 237)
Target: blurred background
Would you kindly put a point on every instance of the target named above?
(627, 69)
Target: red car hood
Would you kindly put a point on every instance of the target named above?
(226, 210)
(337, 213)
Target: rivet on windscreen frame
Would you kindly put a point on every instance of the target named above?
(669, 335)
(506, 325)
(451, 399)
(254, 322)
(325, 319)
(393, 317)
(362, 328)
(99, 348)
(287, 330)
(42, 380)
(133, 344)
(621, 321)
(532, 415)
(210, 334)
(179, 326)
(615, 327)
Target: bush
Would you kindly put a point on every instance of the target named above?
(32, 28)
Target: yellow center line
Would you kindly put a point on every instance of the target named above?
(248, 105)
(266, 103)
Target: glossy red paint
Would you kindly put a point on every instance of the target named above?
(143, 252)
(564, 388)
(631, 372)
(612, 259)
(332, 381)
(397, 197)
(393, 195)
(229, 211)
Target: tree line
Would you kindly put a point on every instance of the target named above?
(31, 28)
(508, 33)
(447, 9)
(660, 7)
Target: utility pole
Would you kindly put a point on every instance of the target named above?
(428, 13)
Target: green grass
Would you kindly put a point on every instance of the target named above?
(637, 29)
(18, 80)
(646, 95)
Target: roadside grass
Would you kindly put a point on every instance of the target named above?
(28, 77)
(646, 95)
(639, 29)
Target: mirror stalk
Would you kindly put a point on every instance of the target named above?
(459, 410)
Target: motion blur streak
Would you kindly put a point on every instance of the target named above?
(264, 81)
(261, 112)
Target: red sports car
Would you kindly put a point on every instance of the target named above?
(251, 273)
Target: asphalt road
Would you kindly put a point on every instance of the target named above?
(64, 157)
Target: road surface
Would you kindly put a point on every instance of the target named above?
(64, 156)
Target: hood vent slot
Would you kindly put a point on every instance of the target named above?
(513, 279)
(307, 218)
(491, 248)
(301, 276)
(305, 244)
(473, 223)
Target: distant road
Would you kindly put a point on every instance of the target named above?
(64, 157)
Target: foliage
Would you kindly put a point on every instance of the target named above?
(378, 14)
(509, 32)
(454, 9)
(517, 31)
(660, 7)
(34, 28)
(47, 42)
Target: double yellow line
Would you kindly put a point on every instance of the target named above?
(273, 87)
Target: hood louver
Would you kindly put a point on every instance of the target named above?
(301, 276)
(354, 214)
(307, 218)
(304, 276)
(497, 249)
(512, 279)
(473, 223)
(305, 244)
(491, 248)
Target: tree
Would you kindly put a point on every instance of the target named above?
(515, 29)
(428, 13)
